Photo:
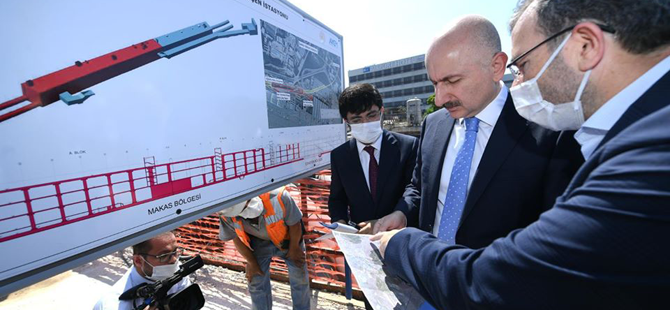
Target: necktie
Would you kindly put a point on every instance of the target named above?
(458, 184)
(372, 171)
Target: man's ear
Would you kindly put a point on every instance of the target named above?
(498, 65)
(137, 261)
(591, 40)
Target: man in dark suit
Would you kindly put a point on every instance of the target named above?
(604, 244)
(474, 184)
(370, 171)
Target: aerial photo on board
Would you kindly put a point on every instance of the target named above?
(302, 81)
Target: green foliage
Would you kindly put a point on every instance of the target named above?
(431, 106)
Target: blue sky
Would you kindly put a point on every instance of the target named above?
(377, 31)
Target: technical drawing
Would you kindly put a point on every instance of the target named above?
(66, 84)
(35, 208)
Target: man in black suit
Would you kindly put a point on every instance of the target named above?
(482, 170)
(602, 67)
(370, 171)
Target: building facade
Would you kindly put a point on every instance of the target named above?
(397, 81)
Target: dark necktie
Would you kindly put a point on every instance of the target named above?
(372, 171)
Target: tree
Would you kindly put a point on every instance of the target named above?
(431, 106)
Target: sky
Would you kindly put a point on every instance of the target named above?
(378, 31)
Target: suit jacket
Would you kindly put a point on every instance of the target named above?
(604, 245)
(350, 197)
(519, 176)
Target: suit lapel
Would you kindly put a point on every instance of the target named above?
(651, 101)
(441, 132)
(509, 128)
(388, 159)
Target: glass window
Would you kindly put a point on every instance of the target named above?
(397, 81)
(407, 92)
(396, 70)
(387, 83)
(418, 90)
(386, 72)
(368, 76)
(407, 80)
(429, 89)
(397, 93)
(418, 66)
(378, 74)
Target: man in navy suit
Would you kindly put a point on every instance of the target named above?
(370, 171)
(602, 67)
(473, 184)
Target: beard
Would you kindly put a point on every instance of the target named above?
(560, 82)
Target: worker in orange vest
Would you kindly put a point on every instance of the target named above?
(264, 227)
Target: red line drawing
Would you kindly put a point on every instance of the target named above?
(35, 208)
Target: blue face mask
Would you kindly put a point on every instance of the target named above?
(529, 103)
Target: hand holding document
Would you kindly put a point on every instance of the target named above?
(382, 289)
(337, 227)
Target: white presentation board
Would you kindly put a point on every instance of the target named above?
(122, 119)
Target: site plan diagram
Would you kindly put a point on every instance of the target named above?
(302, 81)
(382, 290)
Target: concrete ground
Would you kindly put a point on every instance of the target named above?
(81, 287)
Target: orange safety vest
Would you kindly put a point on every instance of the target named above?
(274, 221)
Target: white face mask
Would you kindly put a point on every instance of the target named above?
(253, 210)
(368, 132)
(531, 106)
(162, 272)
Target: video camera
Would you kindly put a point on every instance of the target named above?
(189, 298)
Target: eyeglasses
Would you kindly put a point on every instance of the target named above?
(370, 116)
(167, 257)
(516, 72)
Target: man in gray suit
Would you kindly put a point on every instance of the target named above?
(601, 67)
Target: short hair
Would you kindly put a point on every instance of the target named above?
(359, 98)
(641, 26)
(145, 246)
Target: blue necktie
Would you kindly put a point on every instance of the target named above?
(458, 184)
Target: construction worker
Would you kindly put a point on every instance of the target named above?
(264, 227)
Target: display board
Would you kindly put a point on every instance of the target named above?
(123, 119)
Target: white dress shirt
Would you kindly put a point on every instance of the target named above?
(365, 157)
(596, 127)
(487, 121)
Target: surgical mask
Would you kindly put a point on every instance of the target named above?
(368, 132)
(253, 210)
(531, 106)
(162, 272)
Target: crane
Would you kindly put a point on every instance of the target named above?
(69, 84)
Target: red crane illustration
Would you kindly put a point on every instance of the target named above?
(69, 84)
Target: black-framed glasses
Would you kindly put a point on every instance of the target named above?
(516, 72)
(164, 258)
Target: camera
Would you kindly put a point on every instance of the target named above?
(189, 298)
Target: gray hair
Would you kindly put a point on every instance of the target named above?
(641, 26)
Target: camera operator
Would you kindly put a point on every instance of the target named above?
(153, 260)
